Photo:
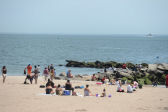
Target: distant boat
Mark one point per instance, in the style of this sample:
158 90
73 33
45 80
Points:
149 35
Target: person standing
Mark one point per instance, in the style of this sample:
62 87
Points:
24 72
46 74
36 72
29 71
38 67
167 81
4 73
29 68
52 72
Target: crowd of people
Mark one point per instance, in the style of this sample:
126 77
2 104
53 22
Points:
49 74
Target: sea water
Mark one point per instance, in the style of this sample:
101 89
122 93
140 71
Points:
17 51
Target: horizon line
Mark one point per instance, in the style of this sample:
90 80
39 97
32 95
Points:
75 34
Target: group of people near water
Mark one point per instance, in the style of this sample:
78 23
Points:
49 74
32 74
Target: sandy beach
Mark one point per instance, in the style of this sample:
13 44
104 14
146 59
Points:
18 97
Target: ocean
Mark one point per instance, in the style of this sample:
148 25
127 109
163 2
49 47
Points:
19 50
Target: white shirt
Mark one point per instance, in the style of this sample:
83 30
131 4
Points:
129 88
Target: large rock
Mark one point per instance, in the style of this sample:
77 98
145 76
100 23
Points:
162 67
71 63
157 68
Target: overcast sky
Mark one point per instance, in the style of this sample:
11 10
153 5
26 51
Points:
84 16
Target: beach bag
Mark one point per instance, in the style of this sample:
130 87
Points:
42 86
81 87
140 86
77 87
67 92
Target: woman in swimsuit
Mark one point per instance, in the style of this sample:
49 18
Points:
4 73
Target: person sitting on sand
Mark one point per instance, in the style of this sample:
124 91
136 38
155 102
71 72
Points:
133 87
49 89
87 91
135 84
124 66
103 80
104 93
69 74
119 88
155 83
50 82
68 86
129 89
58 90
93 77
112 82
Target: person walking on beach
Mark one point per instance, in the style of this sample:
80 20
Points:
36 72
29 76
4 73
29 68
167 81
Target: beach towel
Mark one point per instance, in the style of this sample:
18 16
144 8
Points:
44 94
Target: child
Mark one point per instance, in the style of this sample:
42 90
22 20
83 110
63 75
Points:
104 93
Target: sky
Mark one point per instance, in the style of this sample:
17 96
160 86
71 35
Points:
84 16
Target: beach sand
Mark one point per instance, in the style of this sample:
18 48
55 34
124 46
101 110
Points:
18 97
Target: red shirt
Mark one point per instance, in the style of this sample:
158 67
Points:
29 68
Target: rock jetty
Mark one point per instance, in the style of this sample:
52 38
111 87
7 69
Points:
143 73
